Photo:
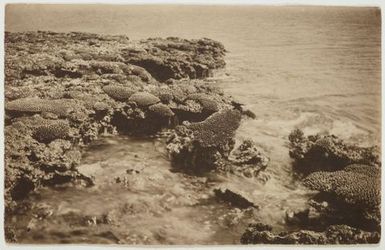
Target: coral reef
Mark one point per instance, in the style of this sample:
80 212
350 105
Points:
335 234
62 90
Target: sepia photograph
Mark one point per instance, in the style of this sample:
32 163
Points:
191 124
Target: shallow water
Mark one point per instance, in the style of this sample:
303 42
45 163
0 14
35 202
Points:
317 69
139 199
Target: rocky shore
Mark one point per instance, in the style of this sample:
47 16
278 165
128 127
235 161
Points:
65 90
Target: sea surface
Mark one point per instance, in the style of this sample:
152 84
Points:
313 68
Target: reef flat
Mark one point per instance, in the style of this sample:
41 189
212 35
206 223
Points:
63 91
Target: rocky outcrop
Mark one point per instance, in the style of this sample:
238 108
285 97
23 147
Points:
175 58
347 178
328 153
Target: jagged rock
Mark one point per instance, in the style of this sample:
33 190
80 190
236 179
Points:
58 155
314 153
335 234
247 153
234 198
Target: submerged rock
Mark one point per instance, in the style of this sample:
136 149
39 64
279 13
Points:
234 198
248 159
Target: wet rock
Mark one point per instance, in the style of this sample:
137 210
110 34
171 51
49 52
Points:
328 153
335 234
249 159
58 155
42 211
234 198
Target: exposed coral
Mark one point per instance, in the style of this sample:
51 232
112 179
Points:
120 93
51 131
335 234
328 153
199 146
161 110
87 81
216 130
357 185
248 154
144 99
60 107
208 105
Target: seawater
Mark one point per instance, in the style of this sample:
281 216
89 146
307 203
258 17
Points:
314 68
